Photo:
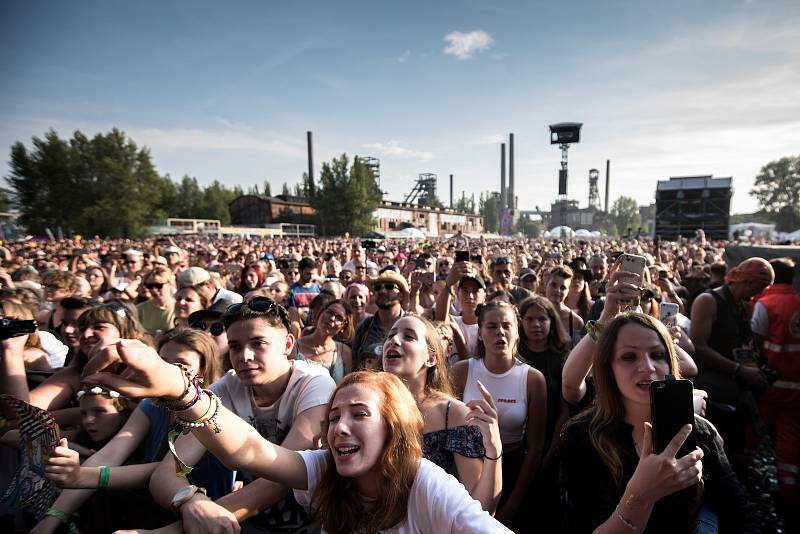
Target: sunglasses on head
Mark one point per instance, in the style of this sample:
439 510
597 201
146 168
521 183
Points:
258 305
388 286
216 328
501 261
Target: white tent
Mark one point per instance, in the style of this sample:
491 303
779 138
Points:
583 233
413 233
562 232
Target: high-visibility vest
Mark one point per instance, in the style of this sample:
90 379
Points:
782 343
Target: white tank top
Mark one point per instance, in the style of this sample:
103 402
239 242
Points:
510 392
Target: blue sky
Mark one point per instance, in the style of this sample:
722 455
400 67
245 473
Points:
227 90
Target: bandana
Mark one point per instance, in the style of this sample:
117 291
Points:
752 269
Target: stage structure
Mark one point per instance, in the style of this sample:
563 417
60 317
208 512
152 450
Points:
687 203
563 134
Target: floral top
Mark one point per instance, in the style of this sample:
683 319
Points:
438 446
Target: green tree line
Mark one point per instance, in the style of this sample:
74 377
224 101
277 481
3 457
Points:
105 185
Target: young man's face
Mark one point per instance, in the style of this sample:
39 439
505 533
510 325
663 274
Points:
307 275
258 351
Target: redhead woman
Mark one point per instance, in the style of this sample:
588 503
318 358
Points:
370 476
614 482
521 394
251 277
320 348
463 440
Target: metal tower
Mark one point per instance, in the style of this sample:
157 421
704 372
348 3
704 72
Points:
594 191
424 190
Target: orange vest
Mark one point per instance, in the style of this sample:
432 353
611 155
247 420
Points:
782 344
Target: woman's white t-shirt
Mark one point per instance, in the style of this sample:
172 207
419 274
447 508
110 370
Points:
438 503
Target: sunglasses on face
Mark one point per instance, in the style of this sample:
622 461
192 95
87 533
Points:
154 286
259 305
388 286
215 328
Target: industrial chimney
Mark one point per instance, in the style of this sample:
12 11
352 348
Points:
511 203
310 164
608 178
503 192
451 191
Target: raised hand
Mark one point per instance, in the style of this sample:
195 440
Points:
145 374
483 414
659 475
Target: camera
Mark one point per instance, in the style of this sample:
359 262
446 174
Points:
16 327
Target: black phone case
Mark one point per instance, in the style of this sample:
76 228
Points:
671 407
462 255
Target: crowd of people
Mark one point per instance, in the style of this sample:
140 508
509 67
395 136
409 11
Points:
293 385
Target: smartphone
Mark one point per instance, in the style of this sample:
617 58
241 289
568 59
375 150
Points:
671 407
462 255
667 313
633 264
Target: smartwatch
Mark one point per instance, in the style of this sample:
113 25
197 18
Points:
184 494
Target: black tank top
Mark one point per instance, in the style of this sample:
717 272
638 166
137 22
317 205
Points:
731 329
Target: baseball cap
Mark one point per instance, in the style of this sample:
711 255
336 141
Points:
193 276
472 278
525 273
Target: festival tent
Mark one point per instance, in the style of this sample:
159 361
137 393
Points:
562 232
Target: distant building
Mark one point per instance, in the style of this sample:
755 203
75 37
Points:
260 212
567 213
393 216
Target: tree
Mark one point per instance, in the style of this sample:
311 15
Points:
488 208
625 214
105 185
267 189
346 198
285 190
777 189
465 205
530 229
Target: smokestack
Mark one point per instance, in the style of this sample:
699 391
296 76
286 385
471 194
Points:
608 178
511 198
502 175
310 163
451 191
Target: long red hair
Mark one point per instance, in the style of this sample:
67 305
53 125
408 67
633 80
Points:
337 505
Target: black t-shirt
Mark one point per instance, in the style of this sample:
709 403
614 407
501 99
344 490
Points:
550 364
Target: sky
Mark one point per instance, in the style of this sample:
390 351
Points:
226 91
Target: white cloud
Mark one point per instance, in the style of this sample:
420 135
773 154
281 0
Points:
393 148
465 45
404 56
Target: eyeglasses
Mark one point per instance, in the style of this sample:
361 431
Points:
215 328
154 286
258 305
388 286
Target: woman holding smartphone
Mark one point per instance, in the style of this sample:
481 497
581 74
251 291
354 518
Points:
613 480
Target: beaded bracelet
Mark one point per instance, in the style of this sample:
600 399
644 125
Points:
204 420
183 427
189 404
105 475
189 382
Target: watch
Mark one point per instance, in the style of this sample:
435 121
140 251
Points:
184 494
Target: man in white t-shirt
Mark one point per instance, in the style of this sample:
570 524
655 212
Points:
284 400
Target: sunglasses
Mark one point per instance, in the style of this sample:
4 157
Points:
258 305
388 286
215 328
154 286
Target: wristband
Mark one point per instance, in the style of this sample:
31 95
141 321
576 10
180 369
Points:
493 459
105 474
594 329
58 514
